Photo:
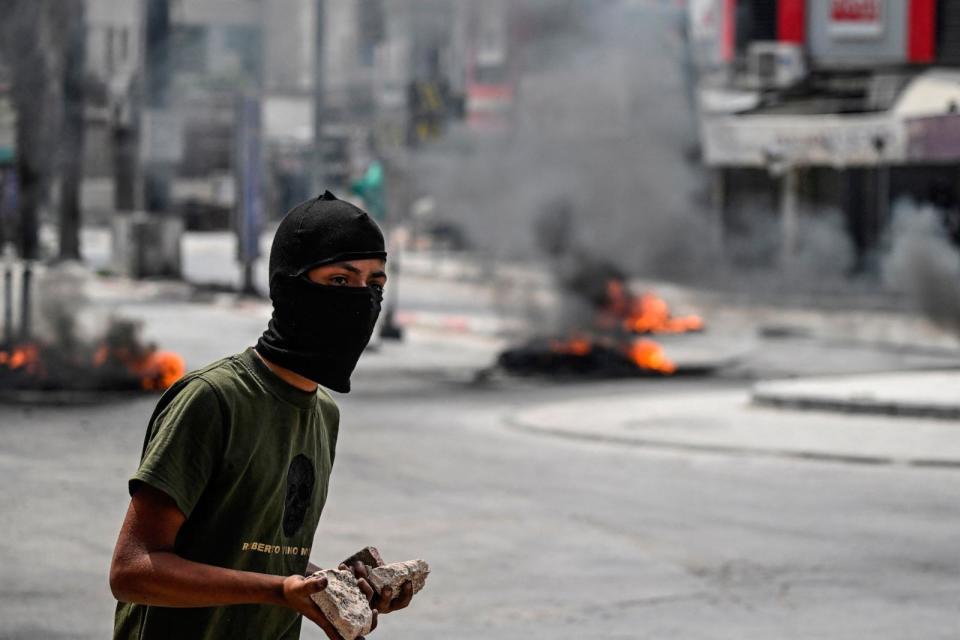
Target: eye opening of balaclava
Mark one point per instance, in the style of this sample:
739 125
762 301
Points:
319 331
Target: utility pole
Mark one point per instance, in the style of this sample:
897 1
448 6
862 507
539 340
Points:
248 169
317 176
126 158
248 166
157 172
789 214
881 216
126 121
71 162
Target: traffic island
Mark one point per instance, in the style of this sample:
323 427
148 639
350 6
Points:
730 422
917 394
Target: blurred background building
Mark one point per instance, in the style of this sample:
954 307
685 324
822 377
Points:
849 105
796 111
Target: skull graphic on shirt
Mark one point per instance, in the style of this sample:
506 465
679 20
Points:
300 482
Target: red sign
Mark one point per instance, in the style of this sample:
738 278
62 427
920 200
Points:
856 18
856 11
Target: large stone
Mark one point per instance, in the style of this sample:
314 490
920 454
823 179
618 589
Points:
395 574
368 556
343 604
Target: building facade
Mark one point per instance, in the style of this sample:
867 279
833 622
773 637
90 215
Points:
814 106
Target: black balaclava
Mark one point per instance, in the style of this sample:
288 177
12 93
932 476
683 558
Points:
319 331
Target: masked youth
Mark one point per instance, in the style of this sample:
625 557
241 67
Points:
237 457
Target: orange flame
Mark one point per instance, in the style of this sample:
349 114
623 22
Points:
161 369
26 357
619 320
157 370
650 314
647 313
647 354
644 353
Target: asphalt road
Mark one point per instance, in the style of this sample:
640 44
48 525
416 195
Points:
528 536
536 538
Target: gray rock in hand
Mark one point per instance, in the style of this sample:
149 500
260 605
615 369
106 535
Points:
395 574
344 604
347 608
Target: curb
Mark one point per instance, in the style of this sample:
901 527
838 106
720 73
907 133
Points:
852 406
733 450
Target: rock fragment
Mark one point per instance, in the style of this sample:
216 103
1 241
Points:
343 604
368 556
395 574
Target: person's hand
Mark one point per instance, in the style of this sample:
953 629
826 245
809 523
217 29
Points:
386 601
296 595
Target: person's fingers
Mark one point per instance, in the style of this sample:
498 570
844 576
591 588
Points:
376 615
366 589
360 570
315 585
343 567
383 600
406 595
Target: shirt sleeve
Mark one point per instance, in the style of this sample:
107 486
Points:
184 445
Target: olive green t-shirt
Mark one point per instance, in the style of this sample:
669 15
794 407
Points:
247 458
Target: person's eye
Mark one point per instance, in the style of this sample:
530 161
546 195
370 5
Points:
339 281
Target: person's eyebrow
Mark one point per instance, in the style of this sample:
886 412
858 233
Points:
346 266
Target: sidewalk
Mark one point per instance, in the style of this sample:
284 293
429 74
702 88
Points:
729 422
922 394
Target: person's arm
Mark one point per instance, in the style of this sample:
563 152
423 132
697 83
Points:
146 570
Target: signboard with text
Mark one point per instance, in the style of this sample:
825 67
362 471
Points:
815 140
856 19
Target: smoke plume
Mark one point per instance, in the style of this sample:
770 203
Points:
924 265
602 119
